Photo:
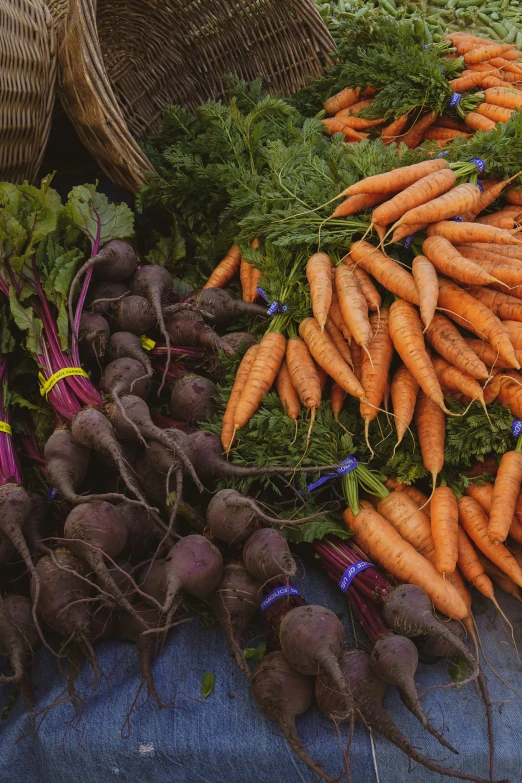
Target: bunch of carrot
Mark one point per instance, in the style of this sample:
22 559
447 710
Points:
487 65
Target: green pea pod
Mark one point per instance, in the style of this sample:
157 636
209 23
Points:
518 39
437 37
388 7
499 29
512 34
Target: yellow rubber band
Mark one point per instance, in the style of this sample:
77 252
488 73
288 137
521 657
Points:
147 343
5 427
66 372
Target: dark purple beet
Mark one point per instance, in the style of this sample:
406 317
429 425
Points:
93 336
101 293
193 398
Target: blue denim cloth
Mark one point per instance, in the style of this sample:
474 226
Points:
225 738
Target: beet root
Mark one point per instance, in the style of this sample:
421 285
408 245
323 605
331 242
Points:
267 557
133 414
283 694
133 314
235 602
18 634
438 647
93 336
187 328
233 517
95 530
312 640
368 693
115 262
101 296
238 339
92 430
408 611
155 284
125 376
221 309
395 659
192 398
125 345
193 565
146 644
140 530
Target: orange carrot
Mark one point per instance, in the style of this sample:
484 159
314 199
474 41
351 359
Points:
393 131
476 317
475 522
506 307
431 430
505 494
226 269
263 373
455 201
379 540
449 343
245 276
319 276
502 219
322 375
466 81
227 427
427 284
500 96
375 367
404 391
394 181
443 134
444 514
493 388
356 352
444 121
422 501
471 566
482 493
498 577
506 65
385 270
370 293
508 271
406 230
354 204
337 395
334 125
449 261
303 373
477 122
492 82
489 356
451 377
420 192
414 136
328 357
342 100
286 391
408 520
514 196
462 233
355 108
337 318
495 113
339 341
354 306
485 53
406 333
357 123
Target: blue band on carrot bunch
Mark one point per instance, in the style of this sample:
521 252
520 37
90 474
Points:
279 592
51 495
456 219
346 466
454 99
479 163
275 307
442 154
351 572
480 186
407 242
516 428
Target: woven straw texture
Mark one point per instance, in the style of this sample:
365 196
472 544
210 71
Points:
27 86
125 60
58 9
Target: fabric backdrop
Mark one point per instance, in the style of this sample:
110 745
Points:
225 739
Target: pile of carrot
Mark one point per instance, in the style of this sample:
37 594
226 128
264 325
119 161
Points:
488 65
468 278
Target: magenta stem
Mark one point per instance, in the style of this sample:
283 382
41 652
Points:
10 471
368 617
95 249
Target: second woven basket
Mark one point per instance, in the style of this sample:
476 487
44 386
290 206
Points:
123 61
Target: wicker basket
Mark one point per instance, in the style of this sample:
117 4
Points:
27 86
124 61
